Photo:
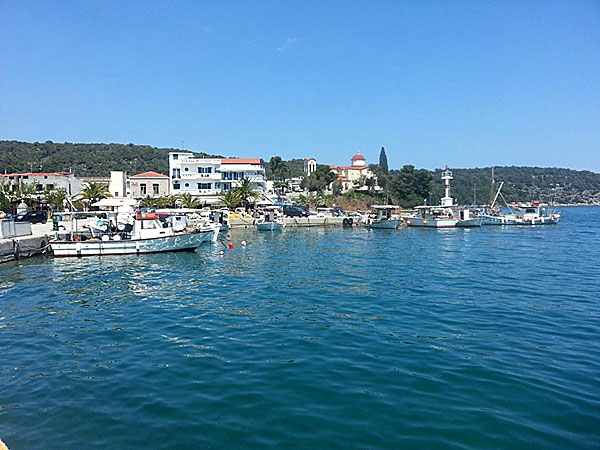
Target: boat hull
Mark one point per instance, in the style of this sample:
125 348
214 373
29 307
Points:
176 243
469 223
390 224
430 223
269 226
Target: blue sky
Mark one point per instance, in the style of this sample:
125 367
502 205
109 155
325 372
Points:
466 83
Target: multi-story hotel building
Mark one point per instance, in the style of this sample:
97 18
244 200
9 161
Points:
206 178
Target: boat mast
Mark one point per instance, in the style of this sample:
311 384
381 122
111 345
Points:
492 190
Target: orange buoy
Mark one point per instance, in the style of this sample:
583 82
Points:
231 245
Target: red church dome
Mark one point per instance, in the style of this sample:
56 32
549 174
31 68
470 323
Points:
358 157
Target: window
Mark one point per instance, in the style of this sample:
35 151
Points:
175 156
155 187
143 188
39 187
176 186
45 177
187 185
50 186
204 169
204 185
186 169
176 173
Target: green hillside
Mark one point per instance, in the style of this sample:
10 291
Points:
523 184
85 160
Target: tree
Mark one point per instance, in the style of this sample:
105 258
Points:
319 179
336 187
187 201
230 198
246 192
148 202
279 168
56 197
383 162
94 192
410 186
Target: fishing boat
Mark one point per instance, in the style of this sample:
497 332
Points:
269 220
432 217
383 218
149 233
535 214
467 220
520 214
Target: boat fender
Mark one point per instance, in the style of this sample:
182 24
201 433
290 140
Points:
243 243
230 245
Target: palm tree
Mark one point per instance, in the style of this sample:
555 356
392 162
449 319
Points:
55 197
187 201
246 192
166 201
230 198
148 202
94 192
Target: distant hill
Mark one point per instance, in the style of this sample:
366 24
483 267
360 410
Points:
85 160
523 184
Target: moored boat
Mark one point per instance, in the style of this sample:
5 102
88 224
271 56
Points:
535 214
383 218
270 220
150 233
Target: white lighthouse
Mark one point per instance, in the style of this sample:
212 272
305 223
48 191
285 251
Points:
447 200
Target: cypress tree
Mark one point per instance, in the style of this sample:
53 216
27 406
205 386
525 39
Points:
383 164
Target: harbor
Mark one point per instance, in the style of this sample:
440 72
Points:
293 327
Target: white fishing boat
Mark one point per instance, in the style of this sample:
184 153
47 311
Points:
467 220
270 220
383 218
149 233
535 214
432 217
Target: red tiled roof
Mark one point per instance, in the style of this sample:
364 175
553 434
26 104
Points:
240 161
358 156
349 167
149 174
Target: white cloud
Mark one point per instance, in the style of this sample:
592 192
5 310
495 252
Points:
289 44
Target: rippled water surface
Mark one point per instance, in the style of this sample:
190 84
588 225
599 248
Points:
349 339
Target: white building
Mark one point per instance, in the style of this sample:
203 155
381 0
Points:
206 178
351 176
45 181
310 166
119 185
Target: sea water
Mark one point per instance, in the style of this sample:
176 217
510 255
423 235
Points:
310 339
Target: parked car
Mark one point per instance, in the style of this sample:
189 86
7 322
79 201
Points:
31 216
295 211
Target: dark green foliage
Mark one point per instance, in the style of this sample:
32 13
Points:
383 162
278 169
85 160
408 186
295 168
319 179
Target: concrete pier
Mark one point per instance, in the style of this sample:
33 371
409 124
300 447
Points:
26 246
297 222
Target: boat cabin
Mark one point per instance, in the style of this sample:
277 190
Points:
383 212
